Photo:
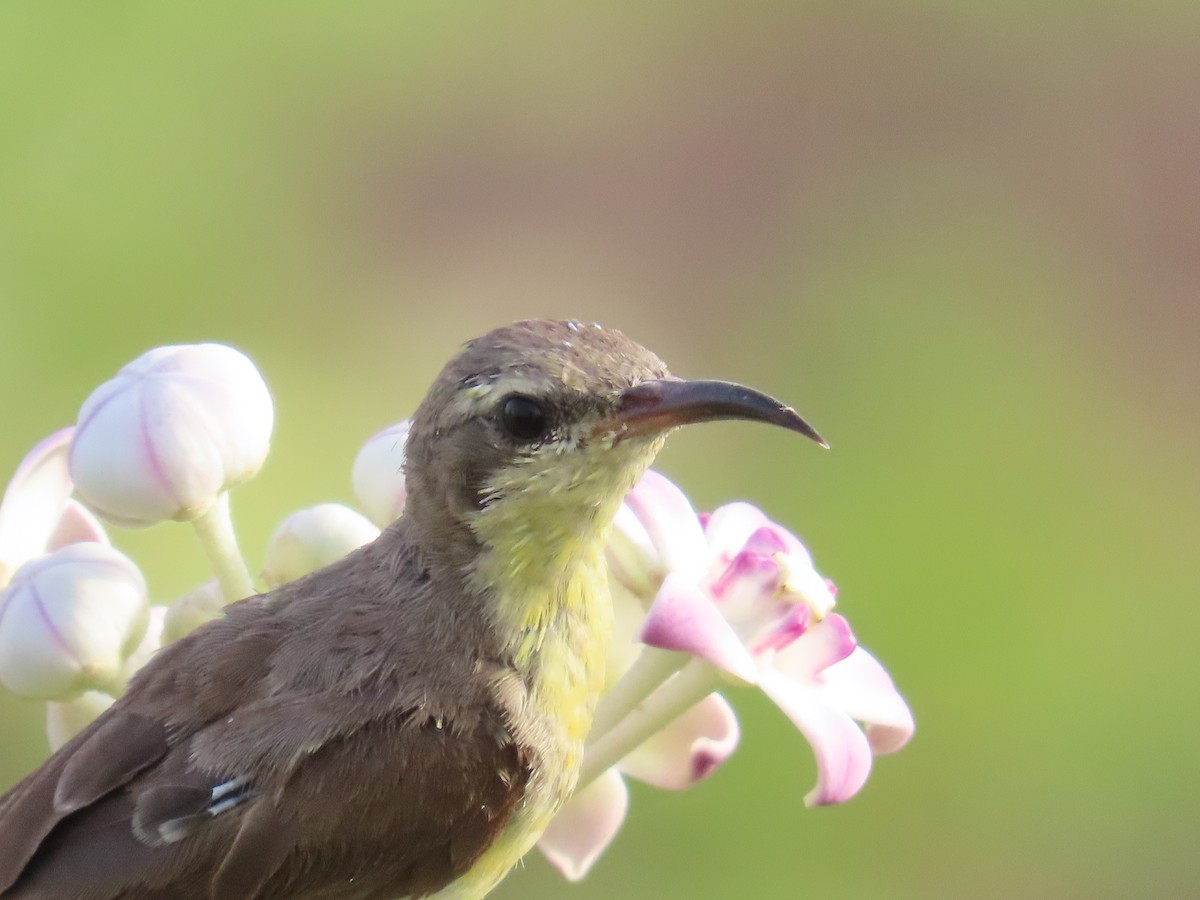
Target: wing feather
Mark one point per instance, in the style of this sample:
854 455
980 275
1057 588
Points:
336 753
120 747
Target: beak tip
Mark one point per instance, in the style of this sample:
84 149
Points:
797 423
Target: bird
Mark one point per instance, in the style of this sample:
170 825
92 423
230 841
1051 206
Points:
406 721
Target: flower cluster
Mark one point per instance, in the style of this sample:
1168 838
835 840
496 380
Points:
711 600
703 603
72 610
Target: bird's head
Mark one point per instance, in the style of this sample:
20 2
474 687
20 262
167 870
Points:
531 436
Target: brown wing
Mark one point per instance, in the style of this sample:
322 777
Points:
398 808
34 807
125 746
236 768
99 761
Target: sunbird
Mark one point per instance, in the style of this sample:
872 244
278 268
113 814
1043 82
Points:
406 721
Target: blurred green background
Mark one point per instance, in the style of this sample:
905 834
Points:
963 238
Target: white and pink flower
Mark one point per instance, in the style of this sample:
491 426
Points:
69 620
678 755
37 514
170 433
732 597
761 612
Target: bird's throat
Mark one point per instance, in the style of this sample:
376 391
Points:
541 566
541 570
553 616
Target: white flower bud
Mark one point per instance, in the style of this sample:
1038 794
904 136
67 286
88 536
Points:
312 538
192 610
378 475
66 719
150 644
172 431
34 501
68 622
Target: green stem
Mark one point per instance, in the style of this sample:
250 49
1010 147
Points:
693 683
215 530
651 669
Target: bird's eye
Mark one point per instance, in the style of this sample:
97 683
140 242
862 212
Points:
524 418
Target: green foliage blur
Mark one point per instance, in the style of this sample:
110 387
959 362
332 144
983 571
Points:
964 239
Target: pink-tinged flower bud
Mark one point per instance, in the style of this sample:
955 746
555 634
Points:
68 622
36 512
77 525
66 719
193 609
170 433
33 501
313 538
378 475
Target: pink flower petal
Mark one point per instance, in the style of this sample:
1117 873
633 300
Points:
767 540
841 749
730 526
795 547
750 578
586 825
859 686
34 499
671 524
77 526
684 619
783 632
823 644
688 749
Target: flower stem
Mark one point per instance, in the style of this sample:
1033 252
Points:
215 530
693 683
651 669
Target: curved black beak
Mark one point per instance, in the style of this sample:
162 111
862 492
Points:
654 406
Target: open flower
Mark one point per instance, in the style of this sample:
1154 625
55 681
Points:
69 621
739 595
167 436
37 513
761 612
